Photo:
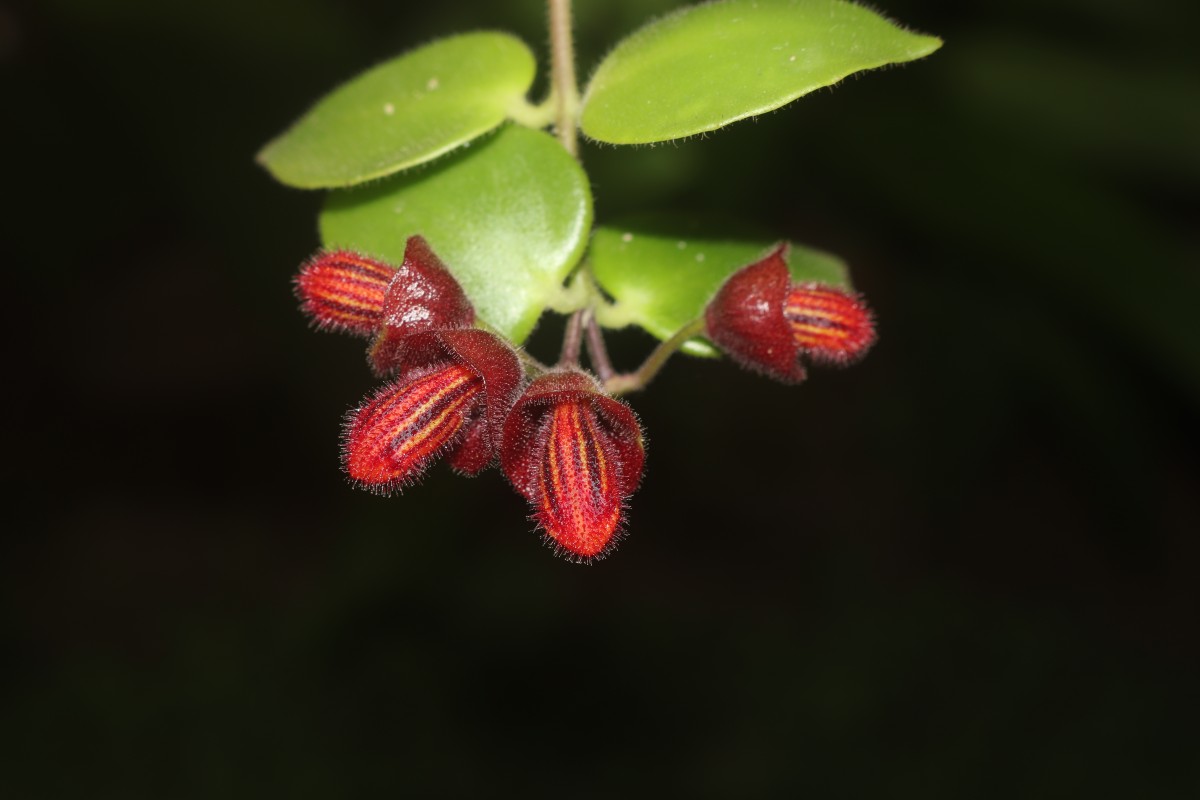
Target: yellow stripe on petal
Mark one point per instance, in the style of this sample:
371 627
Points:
392 438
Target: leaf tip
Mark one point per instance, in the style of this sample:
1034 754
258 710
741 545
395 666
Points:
265 156
268 159
926 45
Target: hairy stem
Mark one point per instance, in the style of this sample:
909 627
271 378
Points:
562 75
572 339
633 381
597 350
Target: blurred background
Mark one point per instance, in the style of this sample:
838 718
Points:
965 568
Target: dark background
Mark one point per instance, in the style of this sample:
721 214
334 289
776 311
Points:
964 568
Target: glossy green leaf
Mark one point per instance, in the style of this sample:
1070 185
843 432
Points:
404 112
661 274
709 65
509 215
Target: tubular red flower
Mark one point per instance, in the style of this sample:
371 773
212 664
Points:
344 291
450 398
767 323
576 455
829 325
391 439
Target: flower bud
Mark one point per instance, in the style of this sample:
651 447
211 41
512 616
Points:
451 395
344 291
576 455
391 438
766 323
829 325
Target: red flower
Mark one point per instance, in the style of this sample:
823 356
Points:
345 291
828 325
766 323
576 455
451 395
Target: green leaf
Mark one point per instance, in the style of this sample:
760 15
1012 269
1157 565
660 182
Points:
709 65
661 274
404 112
509 215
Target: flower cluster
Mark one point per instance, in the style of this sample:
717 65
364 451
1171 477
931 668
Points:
574 452
458 392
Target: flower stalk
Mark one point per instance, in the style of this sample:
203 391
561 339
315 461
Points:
639 378
597 350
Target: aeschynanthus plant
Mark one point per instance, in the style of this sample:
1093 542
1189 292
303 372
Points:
446 270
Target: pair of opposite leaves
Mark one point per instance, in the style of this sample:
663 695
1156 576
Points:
696 70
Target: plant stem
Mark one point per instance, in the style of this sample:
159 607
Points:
572 339
525 113
633 381
597 351
562 74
